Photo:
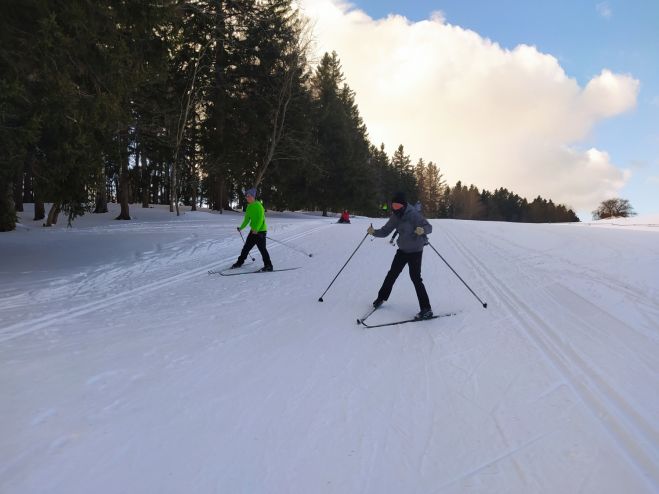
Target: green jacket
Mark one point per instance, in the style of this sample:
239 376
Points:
255 217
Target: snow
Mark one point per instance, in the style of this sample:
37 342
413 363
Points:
125 367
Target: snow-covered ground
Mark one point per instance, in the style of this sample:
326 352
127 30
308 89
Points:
125 367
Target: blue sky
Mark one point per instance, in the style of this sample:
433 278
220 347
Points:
585 37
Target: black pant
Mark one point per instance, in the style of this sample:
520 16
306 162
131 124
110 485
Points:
257 239
413 259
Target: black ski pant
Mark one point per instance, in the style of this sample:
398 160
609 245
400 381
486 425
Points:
413 260
257 239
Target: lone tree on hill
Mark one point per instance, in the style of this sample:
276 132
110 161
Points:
613 208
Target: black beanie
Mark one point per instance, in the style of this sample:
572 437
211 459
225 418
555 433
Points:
399 197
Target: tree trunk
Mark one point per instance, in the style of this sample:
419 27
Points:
165 186
18 190
53 214
175 188
193 164
39 209
136 187
7 209
146 186
101 201
28 194
214 197
172 187
101 194
195 187
155 184
221 196
124 183
39 206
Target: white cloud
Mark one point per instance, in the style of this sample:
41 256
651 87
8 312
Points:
486 115
604 9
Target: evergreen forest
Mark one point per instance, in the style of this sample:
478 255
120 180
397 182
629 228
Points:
188 103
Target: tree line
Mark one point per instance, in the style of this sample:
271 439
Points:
189 103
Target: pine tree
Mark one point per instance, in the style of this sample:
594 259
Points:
421 176
189 102
331 133
19 117
404 172
283 42
435 205
383 179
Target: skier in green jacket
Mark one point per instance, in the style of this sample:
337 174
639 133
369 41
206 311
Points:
255 217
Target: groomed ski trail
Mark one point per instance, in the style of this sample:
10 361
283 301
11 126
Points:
17 330
634 433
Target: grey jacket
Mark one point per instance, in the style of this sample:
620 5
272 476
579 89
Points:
407 241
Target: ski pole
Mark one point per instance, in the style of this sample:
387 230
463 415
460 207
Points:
337 274
290 247
484 304
241 236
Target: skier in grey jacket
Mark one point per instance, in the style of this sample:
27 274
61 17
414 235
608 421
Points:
412 237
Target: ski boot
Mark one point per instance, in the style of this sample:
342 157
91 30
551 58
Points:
423 314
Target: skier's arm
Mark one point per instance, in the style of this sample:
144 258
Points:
427 227
388 227
245 221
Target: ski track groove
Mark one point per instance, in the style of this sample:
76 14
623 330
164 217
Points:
620 326
23 328
508 453
618 418
578 270
550 287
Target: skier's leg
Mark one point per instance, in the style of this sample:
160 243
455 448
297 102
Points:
249 244
415 276
397 266
260 244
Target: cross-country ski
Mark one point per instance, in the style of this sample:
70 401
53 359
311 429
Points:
405 321
231 272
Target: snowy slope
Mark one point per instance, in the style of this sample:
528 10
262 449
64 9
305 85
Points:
125 367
